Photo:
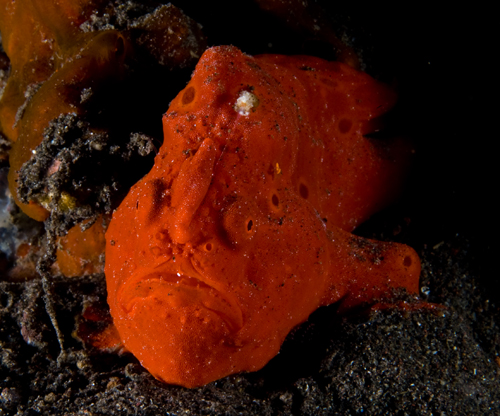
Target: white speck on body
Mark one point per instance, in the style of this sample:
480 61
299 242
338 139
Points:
246 102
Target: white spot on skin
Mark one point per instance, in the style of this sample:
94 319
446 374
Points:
246 102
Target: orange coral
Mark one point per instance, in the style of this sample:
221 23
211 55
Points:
80 252
62 65
52 61
242 228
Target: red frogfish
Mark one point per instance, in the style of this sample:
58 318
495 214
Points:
243 226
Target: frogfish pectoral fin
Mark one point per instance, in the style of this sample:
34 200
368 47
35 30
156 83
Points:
189 189
367 270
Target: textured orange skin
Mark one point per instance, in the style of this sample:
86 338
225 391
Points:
196 290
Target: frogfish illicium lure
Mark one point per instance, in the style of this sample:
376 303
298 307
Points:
243 226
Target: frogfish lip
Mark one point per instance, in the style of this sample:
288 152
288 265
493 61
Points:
175 292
